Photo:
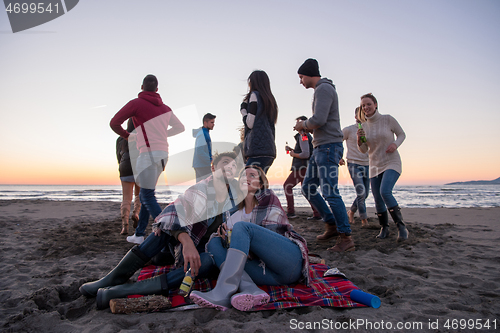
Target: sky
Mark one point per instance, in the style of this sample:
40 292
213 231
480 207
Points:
432 64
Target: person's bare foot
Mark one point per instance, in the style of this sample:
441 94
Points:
350 214
364 223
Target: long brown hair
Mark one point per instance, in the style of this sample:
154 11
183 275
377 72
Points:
259 81
264 183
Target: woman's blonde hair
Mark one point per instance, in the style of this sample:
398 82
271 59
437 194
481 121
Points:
360 114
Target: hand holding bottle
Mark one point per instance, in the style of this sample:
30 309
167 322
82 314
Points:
361 136
361 133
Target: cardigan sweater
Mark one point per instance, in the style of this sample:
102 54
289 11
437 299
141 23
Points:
380 130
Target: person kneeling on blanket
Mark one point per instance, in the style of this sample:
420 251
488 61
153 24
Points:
187 224
263 249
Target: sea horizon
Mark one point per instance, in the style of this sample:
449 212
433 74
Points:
410 196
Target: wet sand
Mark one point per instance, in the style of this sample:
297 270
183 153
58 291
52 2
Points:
448 270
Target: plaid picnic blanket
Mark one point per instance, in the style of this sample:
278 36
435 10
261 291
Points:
323 291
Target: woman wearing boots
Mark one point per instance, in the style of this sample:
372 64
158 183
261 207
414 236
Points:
385 162
263 249
214 200
129 187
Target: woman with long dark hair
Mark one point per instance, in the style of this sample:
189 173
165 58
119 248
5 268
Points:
260 113
385 162
263 249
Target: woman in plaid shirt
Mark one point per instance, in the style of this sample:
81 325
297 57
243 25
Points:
263 249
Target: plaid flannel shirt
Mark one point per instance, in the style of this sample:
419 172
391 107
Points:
193 211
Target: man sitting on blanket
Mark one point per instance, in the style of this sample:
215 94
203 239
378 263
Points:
189 221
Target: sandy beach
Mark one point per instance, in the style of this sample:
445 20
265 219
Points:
447 272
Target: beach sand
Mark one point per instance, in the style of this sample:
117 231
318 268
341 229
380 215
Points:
448 270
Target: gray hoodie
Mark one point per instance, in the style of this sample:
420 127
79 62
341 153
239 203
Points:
326 118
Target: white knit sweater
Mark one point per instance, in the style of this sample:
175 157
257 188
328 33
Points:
380 130
351 141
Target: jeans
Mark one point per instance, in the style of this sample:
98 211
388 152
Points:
264 162
322 171
382 186
295 177
361 182
153 244
148 177
276 259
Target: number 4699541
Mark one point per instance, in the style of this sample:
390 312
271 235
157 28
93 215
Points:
31 8
463 324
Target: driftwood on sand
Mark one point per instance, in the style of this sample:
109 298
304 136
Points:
152 303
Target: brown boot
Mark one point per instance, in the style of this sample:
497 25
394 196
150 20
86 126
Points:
344 244
137 209
330 232
125 212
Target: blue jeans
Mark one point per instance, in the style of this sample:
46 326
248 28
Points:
150 206
361 182
382 186
276 259
153 244
264 162
322 171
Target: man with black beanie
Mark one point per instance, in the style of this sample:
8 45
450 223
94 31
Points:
324 163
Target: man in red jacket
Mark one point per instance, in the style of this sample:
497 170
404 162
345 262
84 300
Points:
151 119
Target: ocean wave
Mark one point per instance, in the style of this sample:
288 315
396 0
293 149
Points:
407 196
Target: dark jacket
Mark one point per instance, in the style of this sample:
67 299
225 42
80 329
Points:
122 153
260 140
298 163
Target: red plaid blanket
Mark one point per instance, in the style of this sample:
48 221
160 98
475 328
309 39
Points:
323 291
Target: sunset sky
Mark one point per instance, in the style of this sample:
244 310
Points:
433 65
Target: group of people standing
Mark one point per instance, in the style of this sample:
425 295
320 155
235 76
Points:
237 228
372 158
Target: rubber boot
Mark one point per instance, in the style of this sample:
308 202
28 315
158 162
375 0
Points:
227 282
125 212
344 244
131 262
135 212
383 219
249 294
164 258
398 219
330 232
155 286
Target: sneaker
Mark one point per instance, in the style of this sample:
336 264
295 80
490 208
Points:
315 218
291 215
135 239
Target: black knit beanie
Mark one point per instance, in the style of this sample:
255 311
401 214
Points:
310 67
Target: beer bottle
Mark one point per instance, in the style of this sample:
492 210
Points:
187 284
363 138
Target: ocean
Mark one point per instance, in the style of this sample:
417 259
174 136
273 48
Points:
432 196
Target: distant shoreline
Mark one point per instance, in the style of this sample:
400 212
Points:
478 182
